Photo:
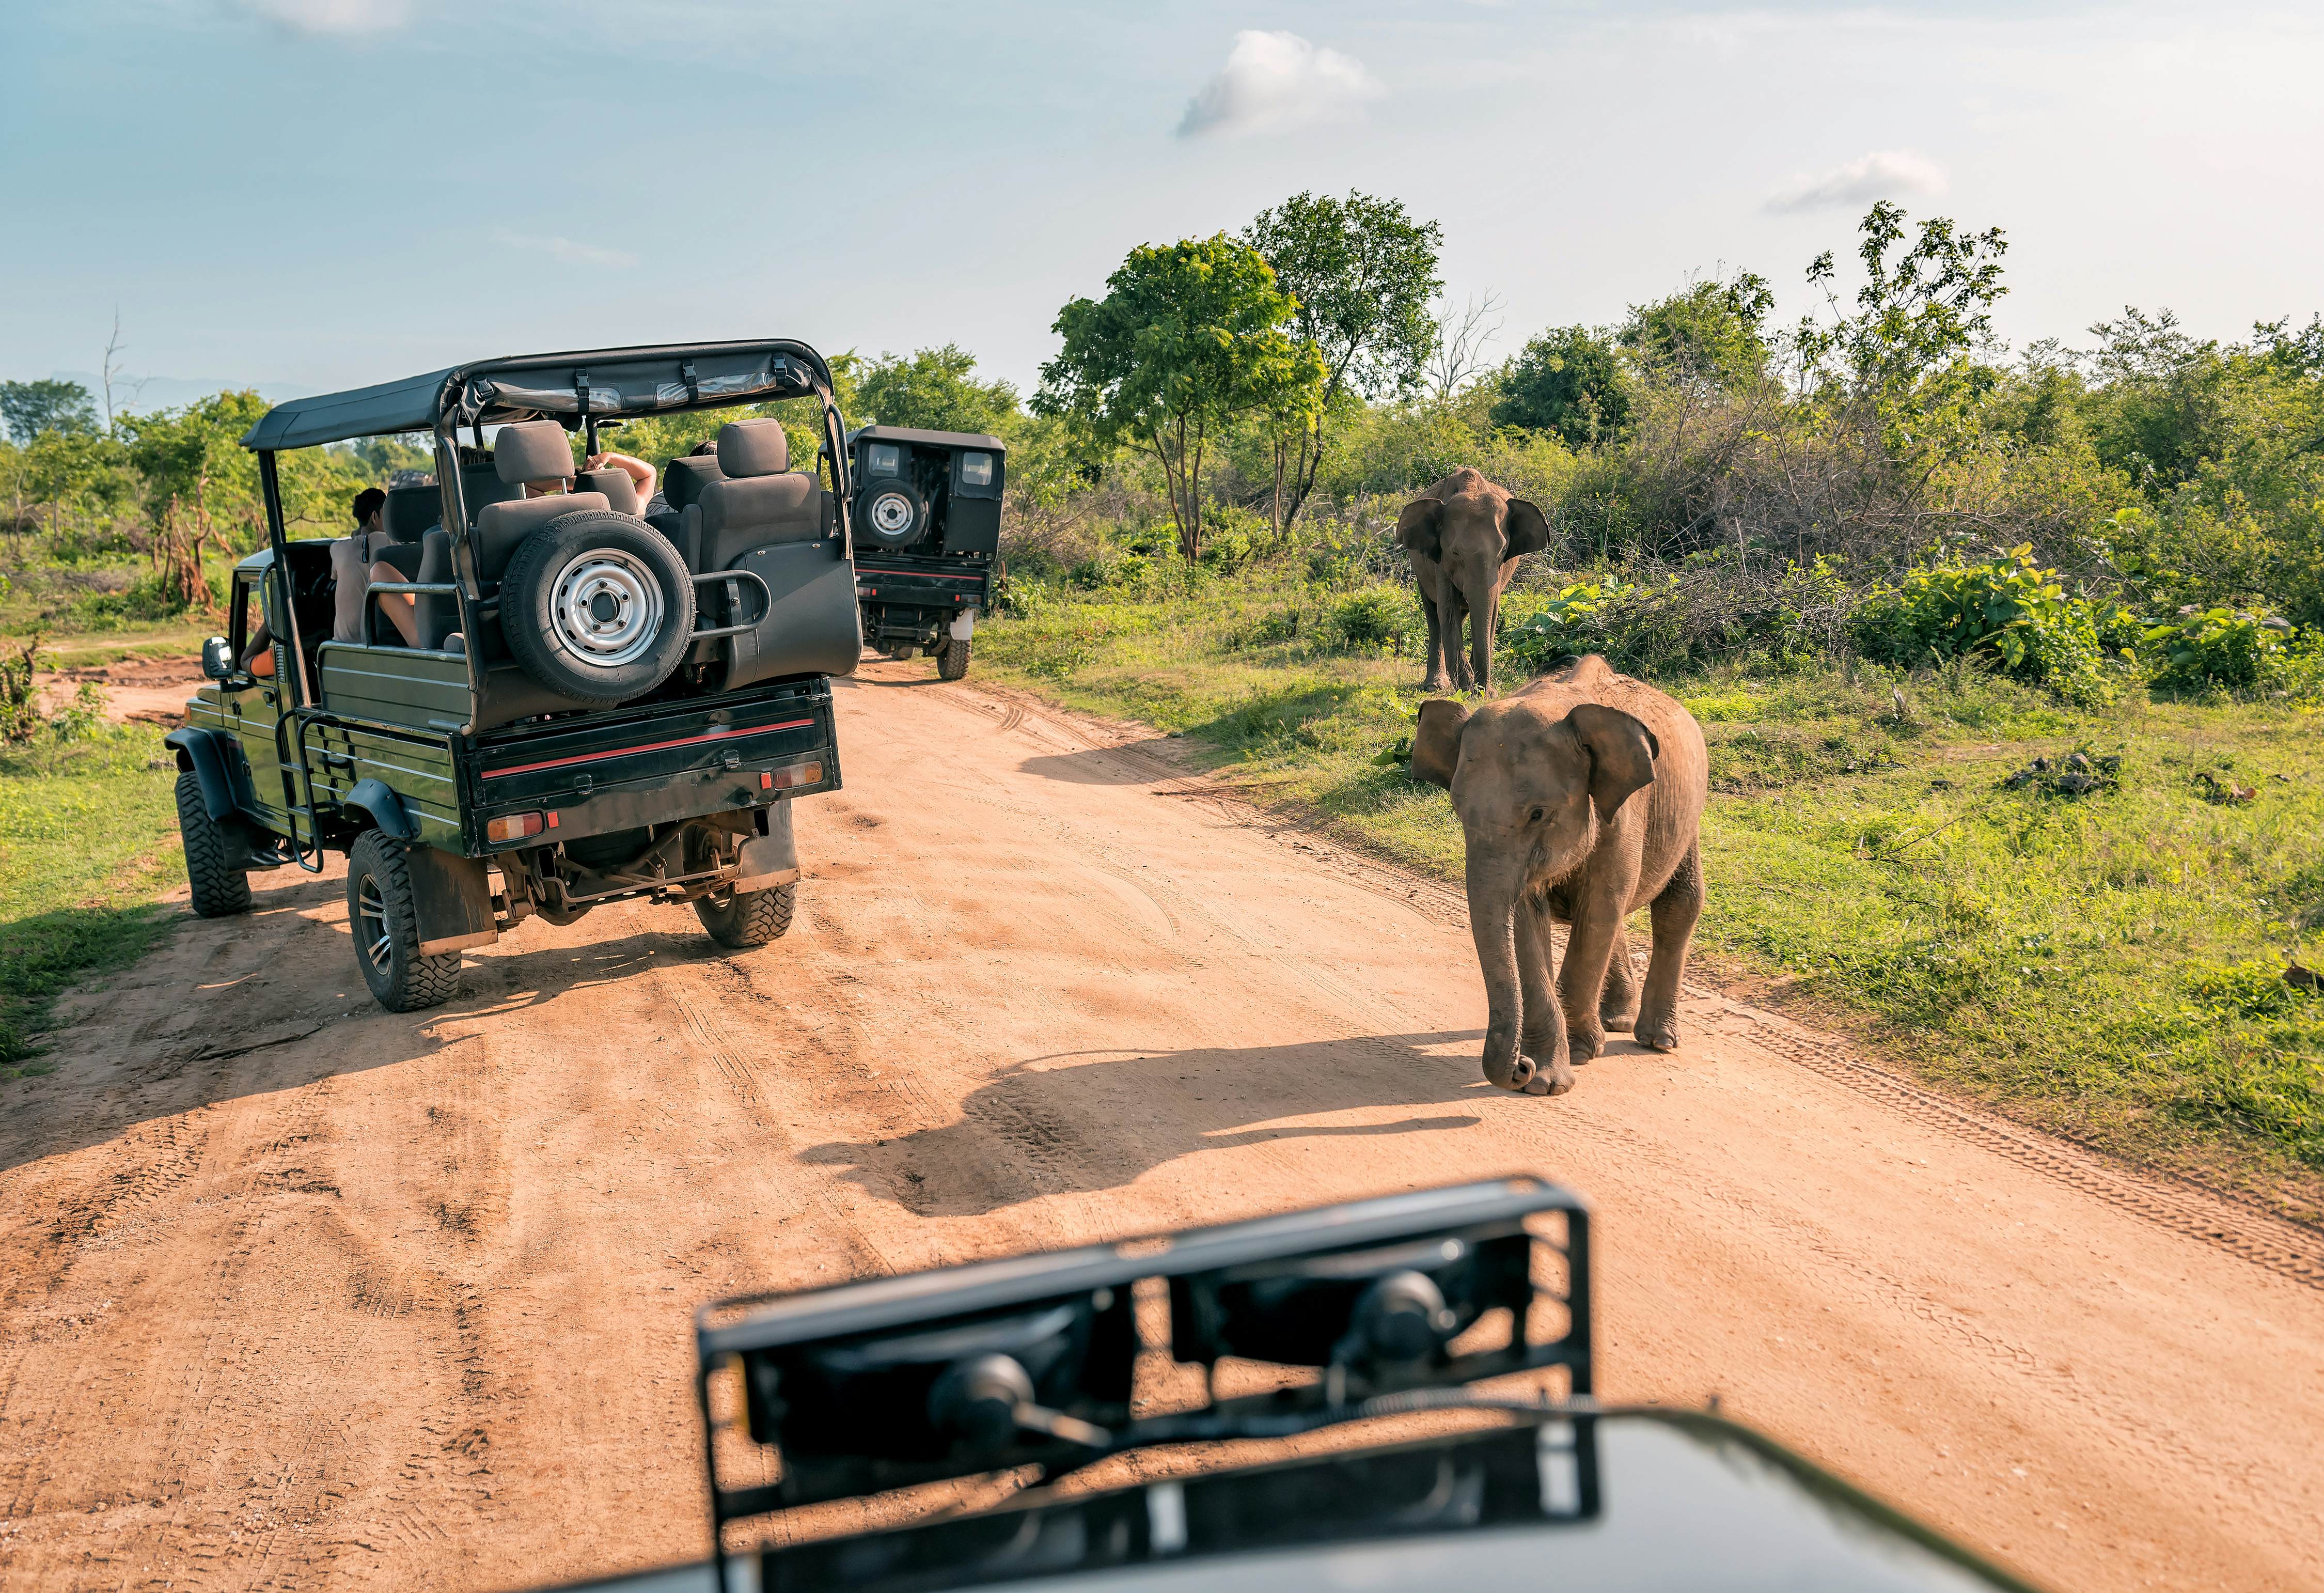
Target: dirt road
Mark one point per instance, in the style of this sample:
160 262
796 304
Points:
293 1293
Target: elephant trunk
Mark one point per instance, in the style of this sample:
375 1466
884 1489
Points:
1492 921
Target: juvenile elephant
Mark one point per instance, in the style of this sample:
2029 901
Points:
1580 799
1466 535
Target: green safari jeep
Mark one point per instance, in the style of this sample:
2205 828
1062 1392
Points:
581 699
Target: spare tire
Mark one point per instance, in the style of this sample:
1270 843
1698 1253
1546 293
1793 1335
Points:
597 605
892 515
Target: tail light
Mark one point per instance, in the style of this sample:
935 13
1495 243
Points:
514 827
796 774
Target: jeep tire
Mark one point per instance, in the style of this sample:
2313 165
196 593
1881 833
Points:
892 517
739 920
221 886
386 926
952 662
597 606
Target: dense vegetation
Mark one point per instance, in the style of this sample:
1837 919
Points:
1889 562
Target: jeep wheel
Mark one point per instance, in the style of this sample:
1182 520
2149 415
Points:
386 927
743 919
598 607
221 889
952 663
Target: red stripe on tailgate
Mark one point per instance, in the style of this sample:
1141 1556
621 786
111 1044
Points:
649 747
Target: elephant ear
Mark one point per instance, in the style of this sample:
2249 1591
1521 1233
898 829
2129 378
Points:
1528 529
1436 742
1420 527
1622 754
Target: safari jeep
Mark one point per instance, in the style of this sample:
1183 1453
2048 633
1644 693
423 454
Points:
927 510
575 705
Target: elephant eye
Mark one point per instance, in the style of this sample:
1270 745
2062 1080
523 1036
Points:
1535 815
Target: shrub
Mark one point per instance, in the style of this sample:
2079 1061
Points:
2200 649
1540 628
1379 619
2005 609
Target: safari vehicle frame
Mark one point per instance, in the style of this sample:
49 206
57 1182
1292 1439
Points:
469 796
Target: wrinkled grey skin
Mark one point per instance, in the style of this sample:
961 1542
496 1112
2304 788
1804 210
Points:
1580 799
1466 535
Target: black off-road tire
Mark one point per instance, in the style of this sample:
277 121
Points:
745 918
387 929
952 663
548 617
221 889
893 500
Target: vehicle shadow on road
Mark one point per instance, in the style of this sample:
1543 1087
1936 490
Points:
1083 1121
1138 762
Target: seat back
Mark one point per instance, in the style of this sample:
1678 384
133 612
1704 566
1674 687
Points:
438 617
618 489
501 526
481 485
757 504
410 511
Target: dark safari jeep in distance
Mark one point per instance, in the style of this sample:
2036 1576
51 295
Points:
927 512
575 705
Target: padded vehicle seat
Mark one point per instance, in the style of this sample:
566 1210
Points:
410 511
522 452
758 502
618 489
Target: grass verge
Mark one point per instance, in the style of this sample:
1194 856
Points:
87 837
2107 964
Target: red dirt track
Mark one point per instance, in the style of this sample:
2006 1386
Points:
294 1292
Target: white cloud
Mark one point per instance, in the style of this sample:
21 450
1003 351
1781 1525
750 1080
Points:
1273 80
1884 174
565 249
337 18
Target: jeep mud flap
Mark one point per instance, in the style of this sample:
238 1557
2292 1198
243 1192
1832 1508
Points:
452 899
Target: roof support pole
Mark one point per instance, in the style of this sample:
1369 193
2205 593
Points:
271 487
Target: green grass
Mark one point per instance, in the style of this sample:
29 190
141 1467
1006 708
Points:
87 841
2107 964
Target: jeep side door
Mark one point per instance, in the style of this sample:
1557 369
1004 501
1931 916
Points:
253 705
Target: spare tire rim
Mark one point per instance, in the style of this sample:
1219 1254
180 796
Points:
891 513
606 609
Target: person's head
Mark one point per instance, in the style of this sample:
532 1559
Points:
368 503
709 445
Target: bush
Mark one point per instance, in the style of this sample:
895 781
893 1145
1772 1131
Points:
1540 628
1381 619
2203 649
2005 609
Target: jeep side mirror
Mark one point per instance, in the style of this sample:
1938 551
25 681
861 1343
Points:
218 658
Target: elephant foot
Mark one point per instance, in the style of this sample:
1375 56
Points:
1584 1043
1554 1080
1437 684
1658 1032
1619 1023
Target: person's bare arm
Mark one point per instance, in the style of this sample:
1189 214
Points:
636 470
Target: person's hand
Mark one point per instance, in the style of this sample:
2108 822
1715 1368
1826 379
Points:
593 462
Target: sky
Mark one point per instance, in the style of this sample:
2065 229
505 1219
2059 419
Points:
307 194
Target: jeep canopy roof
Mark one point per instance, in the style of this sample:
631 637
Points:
601 383
931 438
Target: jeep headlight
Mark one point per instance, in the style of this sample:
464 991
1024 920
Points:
976 469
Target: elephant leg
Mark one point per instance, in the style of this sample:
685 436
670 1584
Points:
1673 913
1617 1008
1541 1035
1455 605
1588 943
1437 679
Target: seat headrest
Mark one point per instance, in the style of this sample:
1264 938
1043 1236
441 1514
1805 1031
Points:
755 447
618 489
532 450
682 480
410 511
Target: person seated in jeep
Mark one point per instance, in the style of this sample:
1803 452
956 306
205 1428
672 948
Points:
351 565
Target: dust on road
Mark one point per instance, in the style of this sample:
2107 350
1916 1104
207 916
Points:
296 1292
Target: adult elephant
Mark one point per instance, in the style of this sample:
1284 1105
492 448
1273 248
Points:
1580 798
1466 535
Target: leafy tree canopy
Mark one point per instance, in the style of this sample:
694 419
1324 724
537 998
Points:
27 409
1361 272
1570 382
935 389
1710 331
1189 337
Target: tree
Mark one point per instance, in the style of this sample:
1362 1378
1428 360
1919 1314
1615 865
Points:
1361 272
1189 337
1462 336
27 409
936 389
1568 381
1710 331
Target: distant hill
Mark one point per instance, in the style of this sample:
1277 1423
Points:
164 393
